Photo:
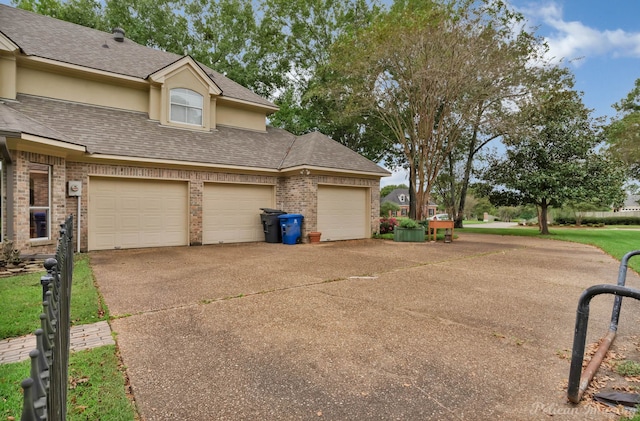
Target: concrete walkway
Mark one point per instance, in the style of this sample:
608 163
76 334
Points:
82 337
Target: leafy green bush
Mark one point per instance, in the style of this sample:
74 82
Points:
408 223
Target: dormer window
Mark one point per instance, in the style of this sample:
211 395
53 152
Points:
401 198
186 107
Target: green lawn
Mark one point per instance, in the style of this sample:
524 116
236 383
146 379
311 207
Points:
21 301
615 242
97 385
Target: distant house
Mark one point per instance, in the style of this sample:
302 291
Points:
401 198
631 204
152 149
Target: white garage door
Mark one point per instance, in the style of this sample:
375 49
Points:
342 213
132 213
231 212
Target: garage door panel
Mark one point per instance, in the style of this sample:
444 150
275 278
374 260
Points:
231 212
342 213
131 213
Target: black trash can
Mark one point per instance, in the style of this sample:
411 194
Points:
270 225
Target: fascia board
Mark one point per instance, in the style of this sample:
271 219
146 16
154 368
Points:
133 159
325 170
53 143
271 109
7 45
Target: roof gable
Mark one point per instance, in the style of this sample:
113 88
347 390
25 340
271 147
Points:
396 195
185 62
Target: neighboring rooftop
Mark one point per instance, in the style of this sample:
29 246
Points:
399 197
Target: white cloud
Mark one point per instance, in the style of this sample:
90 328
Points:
571 40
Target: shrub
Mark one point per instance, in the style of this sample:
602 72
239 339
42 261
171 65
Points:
610 220
408 223
387 224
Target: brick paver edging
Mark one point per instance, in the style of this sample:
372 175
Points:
82 337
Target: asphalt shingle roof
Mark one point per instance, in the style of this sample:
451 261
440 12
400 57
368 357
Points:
123 133
74 44
394 196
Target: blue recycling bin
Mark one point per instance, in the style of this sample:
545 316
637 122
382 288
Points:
291 227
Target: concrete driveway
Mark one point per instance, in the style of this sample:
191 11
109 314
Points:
479 329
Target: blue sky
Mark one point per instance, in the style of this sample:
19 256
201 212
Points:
599 40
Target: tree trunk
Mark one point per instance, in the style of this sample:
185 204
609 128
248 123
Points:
542 217
451 205
412 191
469 164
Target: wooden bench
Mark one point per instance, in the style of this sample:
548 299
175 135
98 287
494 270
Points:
434 225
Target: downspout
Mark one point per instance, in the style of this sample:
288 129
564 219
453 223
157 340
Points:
8 163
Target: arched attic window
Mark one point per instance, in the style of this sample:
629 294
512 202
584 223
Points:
186 106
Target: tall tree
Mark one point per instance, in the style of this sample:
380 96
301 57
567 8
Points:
623 134
417 68
310 28
503 80
553 158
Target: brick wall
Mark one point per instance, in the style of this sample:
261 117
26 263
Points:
22 216
196 179
294 194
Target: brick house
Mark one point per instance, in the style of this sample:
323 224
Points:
401 198
154 149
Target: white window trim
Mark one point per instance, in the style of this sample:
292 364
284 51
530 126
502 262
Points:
201 108
47 209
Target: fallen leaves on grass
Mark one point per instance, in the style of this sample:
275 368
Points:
74 382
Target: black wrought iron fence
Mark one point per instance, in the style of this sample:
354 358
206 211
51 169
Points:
45 391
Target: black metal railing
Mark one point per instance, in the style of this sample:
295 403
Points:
579 380
45 391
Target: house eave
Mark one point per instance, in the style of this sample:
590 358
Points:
302 169
31 143
130 160
254 105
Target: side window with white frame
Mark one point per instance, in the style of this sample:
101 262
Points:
186 106
39 200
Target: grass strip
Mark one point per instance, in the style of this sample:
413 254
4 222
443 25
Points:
615 242
21 301
97 387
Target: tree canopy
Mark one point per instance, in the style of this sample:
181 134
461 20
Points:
422 69
552 157
623 134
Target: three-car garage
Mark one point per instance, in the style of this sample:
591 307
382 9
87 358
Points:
135 212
